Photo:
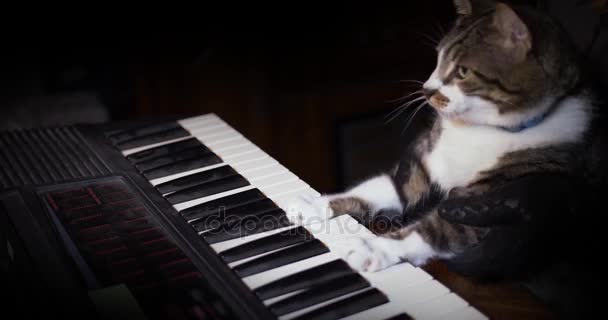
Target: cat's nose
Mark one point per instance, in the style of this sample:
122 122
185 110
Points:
428 93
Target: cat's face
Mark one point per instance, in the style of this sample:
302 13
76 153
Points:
485 73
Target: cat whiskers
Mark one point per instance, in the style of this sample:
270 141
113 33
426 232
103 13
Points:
412 81
439 30
399 110
411 117
429 40
407 96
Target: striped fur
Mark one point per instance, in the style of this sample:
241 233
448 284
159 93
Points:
497 68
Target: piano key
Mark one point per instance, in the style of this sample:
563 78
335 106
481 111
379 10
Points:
468 313
243 163
273 242
213 207
229 151
435 308
325 272
320 293
164 150
181 166
211 129
210 188
345 307
192 153
232 243
196 179
173 133
128 152
130 134
233 215
200 119
405 296
270 189
233 138
254 162
280 258
205 128
247 226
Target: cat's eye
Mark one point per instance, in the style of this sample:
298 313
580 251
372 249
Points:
462 72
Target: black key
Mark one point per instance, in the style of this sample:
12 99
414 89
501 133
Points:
273 242
401 316
248 226
235 215
305 279
196 179
346 307
157 137
280 258
129 134
207 189
172 158
324 292
225 203
183 166
164 150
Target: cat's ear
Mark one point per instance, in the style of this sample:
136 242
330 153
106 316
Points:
470 7
515 35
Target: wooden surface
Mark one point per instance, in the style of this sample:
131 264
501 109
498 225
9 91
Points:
495 300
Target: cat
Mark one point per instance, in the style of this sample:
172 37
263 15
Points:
513 116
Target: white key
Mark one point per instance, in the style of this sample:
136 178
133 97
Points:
242 159
217 138
468 313
280 189
232 151
277 171
255 164
402 296
209 129
442 306
285 199
209 117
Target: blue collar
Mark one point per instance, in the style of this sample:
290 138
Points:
532 122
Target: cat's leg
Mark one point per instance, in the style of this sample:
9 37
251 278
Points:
429 238
381 192
365 199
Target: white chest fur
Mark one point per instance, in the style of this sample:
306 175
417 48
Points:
461 152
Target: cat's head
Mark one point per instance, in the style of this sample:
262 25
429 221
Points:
499 65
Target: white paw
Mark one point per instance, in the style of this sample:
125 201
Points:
308 210
371 255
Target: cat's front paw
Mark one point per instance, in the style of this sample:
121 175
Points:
371 255
308 210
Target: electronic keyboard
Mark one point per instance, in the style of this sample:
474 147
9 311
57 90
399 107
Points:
184 219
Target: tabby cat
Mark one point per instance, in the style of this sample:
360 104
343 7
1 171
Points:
509 142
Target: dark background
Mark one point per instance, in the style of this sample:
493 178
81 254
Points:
310 84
